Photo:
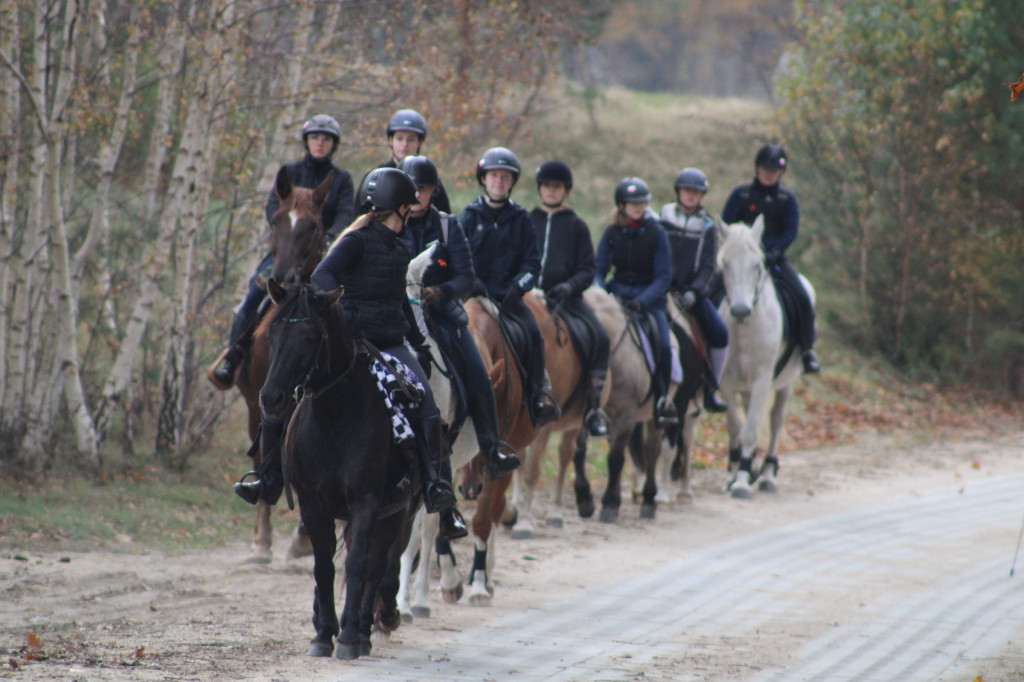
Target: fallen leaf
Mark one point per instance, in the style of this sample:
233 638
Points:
34 642
1016 88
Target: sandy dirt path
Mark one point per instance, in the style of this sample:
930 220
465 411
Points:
883 560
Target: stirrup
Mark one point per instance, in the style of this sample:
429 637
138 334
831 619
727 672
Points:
665 413
249 491
810 360
453 526
712 403
497 463
545 411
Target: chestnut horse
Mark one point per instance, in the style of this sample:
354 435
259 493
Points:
514 424
569 381
297 241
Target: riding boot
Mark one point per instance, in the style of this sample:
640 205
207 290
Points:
269 483
223 377
543 406
712 401
810 359
438 494
665 413
596 420
499 458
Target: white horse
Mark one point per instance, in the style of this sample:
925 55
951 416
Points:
425 527
757 344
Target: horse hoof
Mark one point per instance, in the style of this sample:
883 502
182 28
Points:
364 647
555 523
388 623
741 493
647 511
347 652
586 509
319 649
259 555
301 546
522 534
768 486
420 612
609 515
480 599
407 618
452 596
510 517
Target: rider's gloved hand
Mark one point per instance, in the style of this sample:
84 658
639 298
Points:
423 357
688 300
511 295
634 305
560 291
432 294
772 257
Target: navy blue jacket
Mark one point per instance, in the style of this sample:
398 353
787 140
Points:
504 246
781 214
456 277
642 262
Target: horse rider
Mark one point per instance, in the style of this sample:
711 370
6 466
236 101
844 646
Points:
320 136
370 260
636 247
507 262
692 236
764 196
406 131
443 288
566 270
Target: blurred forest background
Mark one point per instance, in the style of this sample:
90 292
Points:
138 142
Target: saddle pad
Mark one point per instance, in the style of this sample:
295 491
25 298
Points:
400 427
651 357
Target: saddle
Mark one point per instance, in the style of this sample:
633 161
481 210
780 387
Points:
518 340
792 318
584 340
643 331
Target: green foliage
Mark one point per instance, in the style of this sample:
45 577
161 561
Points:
902 111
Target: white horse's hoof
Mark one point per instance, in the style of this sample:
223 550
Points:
741 493
767 485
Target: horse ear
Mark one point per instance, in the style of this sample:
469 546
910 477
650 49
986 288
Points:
722 229
283 184
277 292
757 229
322 190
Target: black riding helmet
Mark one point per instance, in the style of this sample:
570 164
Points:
554 171
632 191
322 123
498 158
421 169
408 119
771 156
386 189
692 178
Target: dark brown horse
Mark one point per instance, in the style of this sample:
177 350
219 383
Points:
297 241
341 459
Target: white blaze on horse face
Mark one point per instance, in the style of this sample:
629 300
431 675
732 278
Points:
293 215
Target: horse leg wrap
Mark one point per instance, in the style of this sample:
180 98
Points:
479 563
771 463
735 456
747 464
443 547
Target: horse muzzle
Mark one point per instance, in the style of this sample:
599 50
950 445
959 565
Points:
276 405
741 311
